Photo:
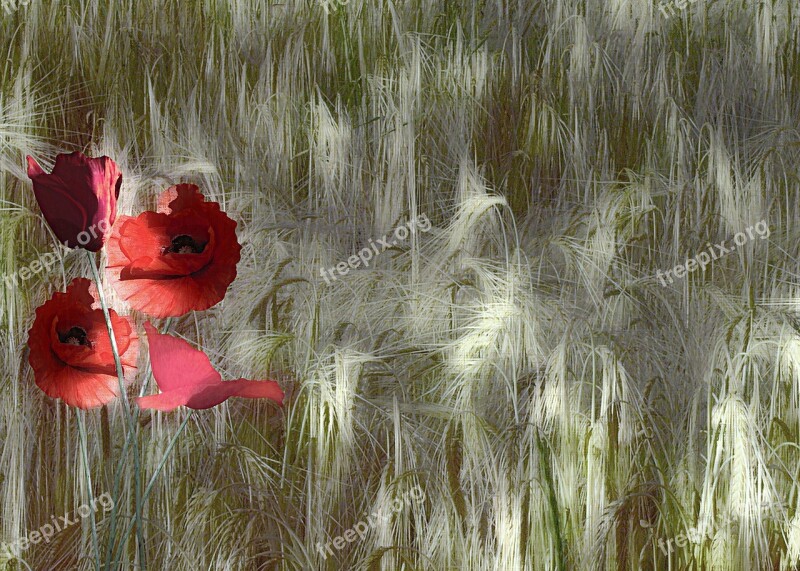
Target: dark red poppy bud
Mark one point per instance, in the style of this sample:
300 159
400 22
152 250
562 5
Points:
79 198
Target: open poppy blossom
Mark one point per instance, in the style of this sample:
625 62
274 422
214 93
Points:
70 351
186 378
79 198
179 259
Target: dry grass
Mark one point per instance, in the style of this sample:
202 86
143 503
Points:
520 362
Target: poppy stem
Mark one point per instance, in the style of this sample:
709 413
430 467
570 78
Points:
153 479
110 549
89 490
131 428
105 433
116 492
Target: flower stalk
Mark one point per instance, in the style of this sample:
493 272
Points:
131 428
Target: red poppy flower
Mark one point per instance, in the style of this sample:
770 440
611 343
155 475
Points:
179 259
186 378
70 351
79 198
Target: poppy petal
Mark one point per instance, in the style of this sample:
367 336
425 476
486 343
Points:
177 260
186 377
166 401
256 390
176 364
70 352
78 388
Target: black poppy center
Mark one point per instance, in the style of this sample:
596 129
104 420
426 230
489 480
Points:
184 244
75 336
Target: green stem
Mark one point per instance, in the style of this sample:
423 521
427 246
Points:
89 491
131 434
551 500
153 479
120 465
117 486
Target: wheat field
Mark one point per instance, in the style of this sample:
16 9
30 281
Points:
519 385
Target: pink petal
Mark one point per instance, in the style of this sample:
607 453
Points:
33 167
186 378
257 390
165 401
176 364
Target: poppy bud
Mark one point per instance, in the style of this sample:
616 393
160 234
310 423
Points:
79 198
